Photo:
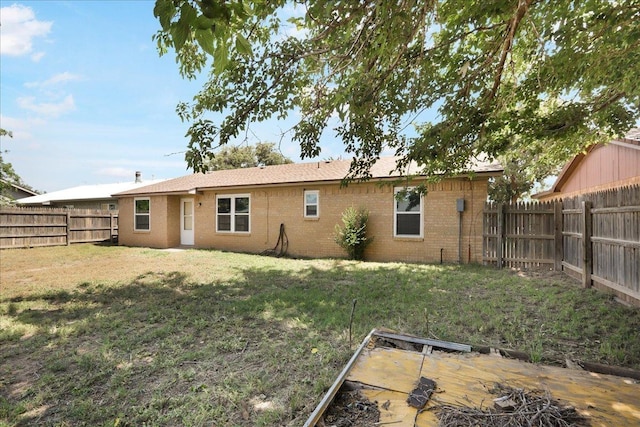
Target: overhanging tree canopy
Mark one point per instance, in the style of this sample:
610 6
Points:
545 78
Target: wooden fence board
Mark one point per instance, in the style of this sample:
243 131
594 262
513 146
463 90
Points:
522 235
22 227
593 237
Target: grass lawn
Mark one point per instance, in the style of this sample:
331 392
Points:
115 336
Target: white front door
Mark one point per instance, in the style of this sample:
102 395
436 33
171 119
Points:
186 222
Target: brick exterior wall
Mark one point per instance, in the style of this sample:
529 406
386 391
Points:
273 206
164 227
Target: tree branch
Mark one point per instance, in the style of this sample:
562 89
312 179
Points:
523 6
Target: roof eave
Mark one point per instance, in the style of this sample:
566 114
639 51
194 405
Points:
159 193
200 189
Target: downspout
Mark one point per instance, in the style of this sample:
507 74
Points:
460 209
459 237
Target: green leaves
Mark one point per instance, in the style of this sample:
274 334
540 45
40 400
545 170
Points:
164 10
220 57
243 47
502 76
263 153
352 237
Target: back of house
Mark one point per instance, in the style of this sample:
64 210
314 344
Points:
245 210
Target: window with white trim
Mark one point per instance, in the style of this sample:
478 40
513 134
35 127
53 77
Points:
233 213
142 214
311 204
408 209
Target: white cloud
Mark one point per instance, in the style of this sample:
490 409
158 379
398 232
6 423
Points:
46 108
36 57
18 28
55 80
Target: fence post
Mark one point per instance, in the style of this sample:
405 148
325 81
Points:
111 227
68 228
558 221
587 253
500 237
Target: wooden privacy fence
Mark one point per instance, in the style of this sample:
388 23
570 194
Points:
594 237
22 227
522 235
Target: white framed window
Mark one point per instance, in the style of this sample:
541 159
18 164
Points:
311 204
233 213
142 214
407 213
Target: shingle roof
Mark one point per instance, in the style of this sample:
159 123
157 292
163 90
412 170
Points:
294 173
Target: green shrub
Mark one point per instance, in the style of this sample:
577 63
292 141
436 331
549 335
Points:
353 236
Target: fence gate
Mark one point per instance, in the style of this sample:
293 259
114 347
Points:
523 235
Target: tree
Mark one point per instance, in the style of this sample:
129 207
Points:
546 77
8 175
511 185
247 156
521 172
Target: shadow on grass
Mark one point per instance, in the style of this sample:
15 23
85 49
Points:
261 349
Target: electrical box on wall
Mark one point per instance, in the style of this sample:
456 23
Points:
460 205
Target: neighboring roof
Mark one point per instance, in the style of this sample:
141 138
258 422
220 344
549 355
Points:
630 140
84 192
18 187
293 173
632 136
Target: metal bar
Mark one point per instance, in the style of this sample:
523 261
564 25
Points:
424 341
326 401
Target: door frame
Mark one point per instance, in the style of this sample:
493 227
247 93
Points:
187 237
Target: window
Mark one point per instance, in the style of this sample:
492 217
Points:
232 214
311 204
407 213
142 215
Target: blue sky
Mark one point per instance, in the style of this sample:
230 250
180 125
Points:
89 100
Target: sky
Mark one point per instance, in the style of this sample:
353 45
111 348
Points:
89 100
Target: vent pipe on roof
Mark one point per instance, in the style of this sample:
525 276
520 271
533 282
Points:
138 176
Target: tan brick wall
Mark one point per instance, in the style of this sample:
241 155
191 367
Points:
314 237
164 227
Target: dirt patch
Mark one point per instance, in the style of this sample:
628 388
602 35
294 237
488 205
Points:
351 409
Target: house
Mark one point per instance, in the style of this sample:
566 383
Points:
243 209
11 192
85 196
601 167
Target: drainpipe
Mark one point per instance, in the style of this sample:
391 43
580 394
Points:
460 209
